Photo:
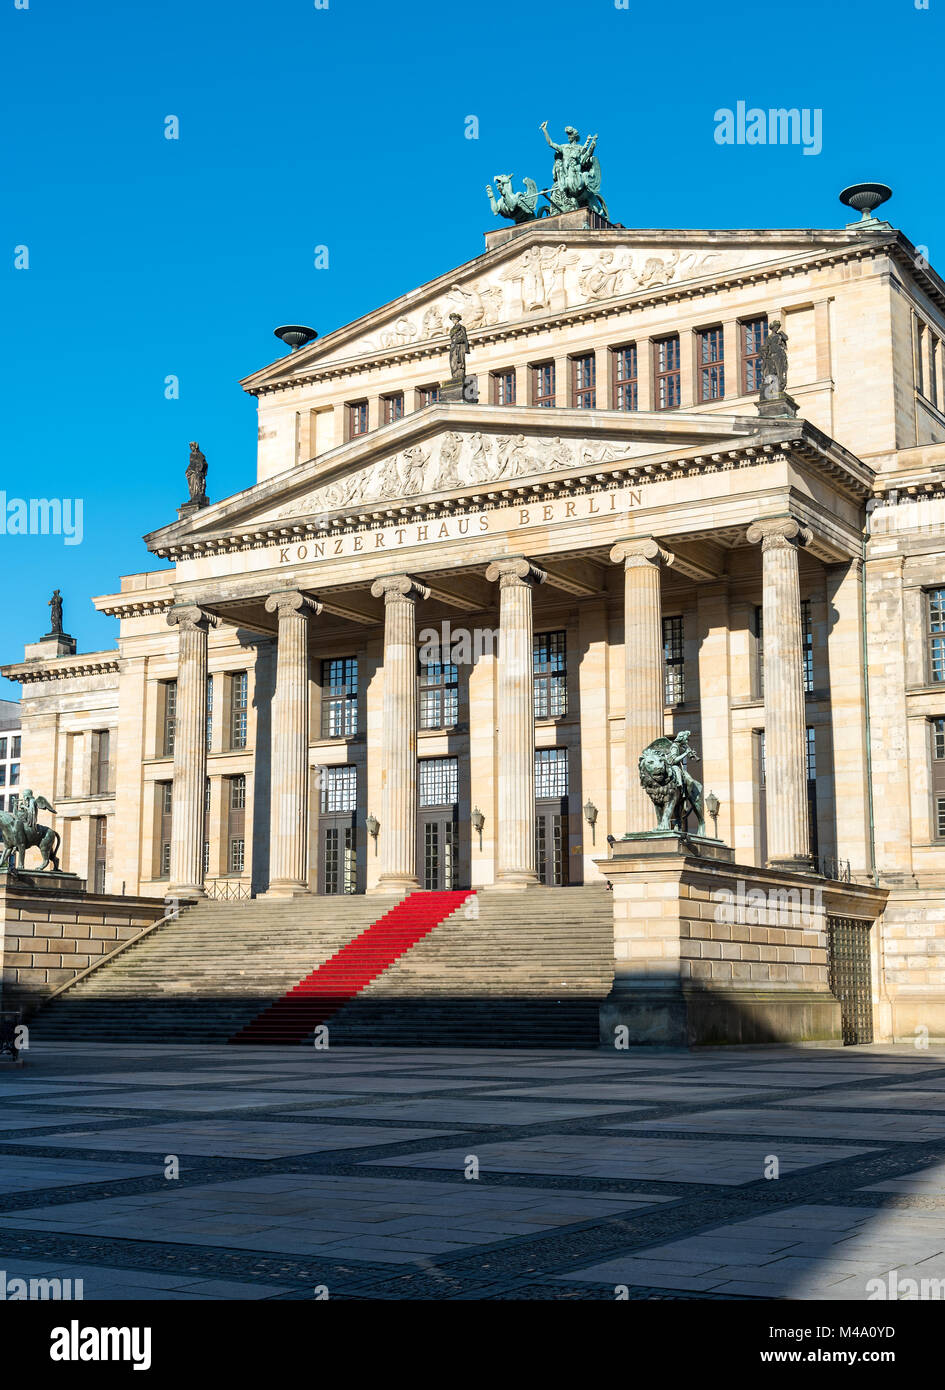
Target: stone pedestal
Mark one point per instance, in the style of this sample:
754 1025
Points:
707 951
399 745
466 390
516 722
47 648
783 407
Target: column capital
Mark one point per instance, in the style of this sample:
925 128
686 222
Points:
778 532
190 617
290 602
394 588
514 571
645 551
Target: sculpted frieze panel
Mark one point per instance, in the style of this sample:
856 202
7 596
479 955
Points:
452 461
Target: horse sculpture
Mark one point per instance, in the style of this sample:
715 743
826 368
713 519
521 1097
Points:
19 836
669 786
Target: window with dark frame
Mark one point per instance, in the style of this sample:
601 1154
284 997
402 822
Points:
3 749
339 696
15 745
667 374
393 408
102 769
711 364
209 725
551 773
543 384
357 419
807 647
674 670
936 634
550 666
754 335
236 824
439 695
169 717
503 388
584 381
340 790
758 632
937 732
239 708
429 395
626 378
437 781
812 789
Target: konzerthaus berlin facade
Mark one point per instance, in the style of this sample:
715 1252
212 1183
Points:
617 544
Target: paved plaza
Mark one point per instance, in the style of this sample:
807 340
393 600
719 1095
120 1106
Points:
787 1173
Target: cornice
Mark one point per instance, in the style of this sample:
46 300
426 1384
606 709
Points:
29 672
117 606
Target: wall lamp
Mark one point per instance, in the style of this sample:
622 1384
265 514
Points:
373 825
478 821
590 815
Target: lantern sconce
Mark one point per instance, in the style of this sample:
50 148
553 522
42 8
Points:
373 825
590 815
712 805
478 821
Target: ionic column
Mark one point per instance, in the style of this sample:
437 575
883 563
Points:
288 804
190 751
785 723
643 665
516 721
399 724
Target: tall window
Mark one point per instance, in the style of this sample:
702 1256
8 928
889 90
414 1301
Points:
933 368
239 708
807 640
543 384
357 419
101 769
392 408
667 373
503 388
437 781
100 845
584 381
754 333
3 749
15 746
439 695
164 792
236 824
938 778
674 671
340 790
209 709
3 775
14 774
339 697
626 379
170 717
429 395
936 634
551 773
550 664
711 365
758 632
812 788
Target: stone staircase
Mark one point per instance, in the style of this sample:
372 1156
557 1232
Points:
505 969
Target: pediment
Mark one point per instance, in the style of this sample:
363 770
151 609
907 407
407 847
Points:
541 273
455 449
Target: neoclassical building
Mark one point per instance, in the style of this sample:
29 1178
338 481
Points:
426 646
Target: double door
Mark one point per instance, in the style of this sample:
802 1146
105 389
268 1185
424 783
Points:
551 842
438 848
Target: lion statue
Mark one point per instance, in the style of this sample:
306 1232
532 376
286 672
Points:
669 786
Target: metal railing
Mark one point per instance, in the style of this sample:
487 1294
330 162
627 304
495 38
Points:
222 891
837 869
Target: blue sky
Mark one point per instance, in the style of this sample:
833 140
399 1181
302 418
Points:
345 127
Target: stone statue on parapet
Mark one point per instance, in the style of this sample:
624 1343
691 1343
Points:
664 778
518 207
459 347
197 474
576 174
55 614
21 831
773 399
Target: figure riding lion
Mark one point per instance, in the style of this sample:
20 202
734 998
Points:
669 786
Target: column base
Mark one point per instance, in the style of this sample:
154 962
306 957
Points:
287 888
185 892
794 864
396 883
515 881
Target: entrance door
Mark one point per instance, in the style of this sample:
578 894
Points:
438 850
551 843
850 976
338 868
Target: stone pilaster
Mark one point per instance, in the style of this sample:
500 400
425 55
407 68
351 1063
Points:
785 723
643 665
517 578
288 803
190 751
399 733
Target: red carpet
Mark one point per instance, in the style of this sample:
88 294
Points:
322 993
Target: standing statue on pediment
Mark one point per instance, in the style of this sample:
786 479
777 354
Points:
197 475
459 347
773 365
576 175
411 481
